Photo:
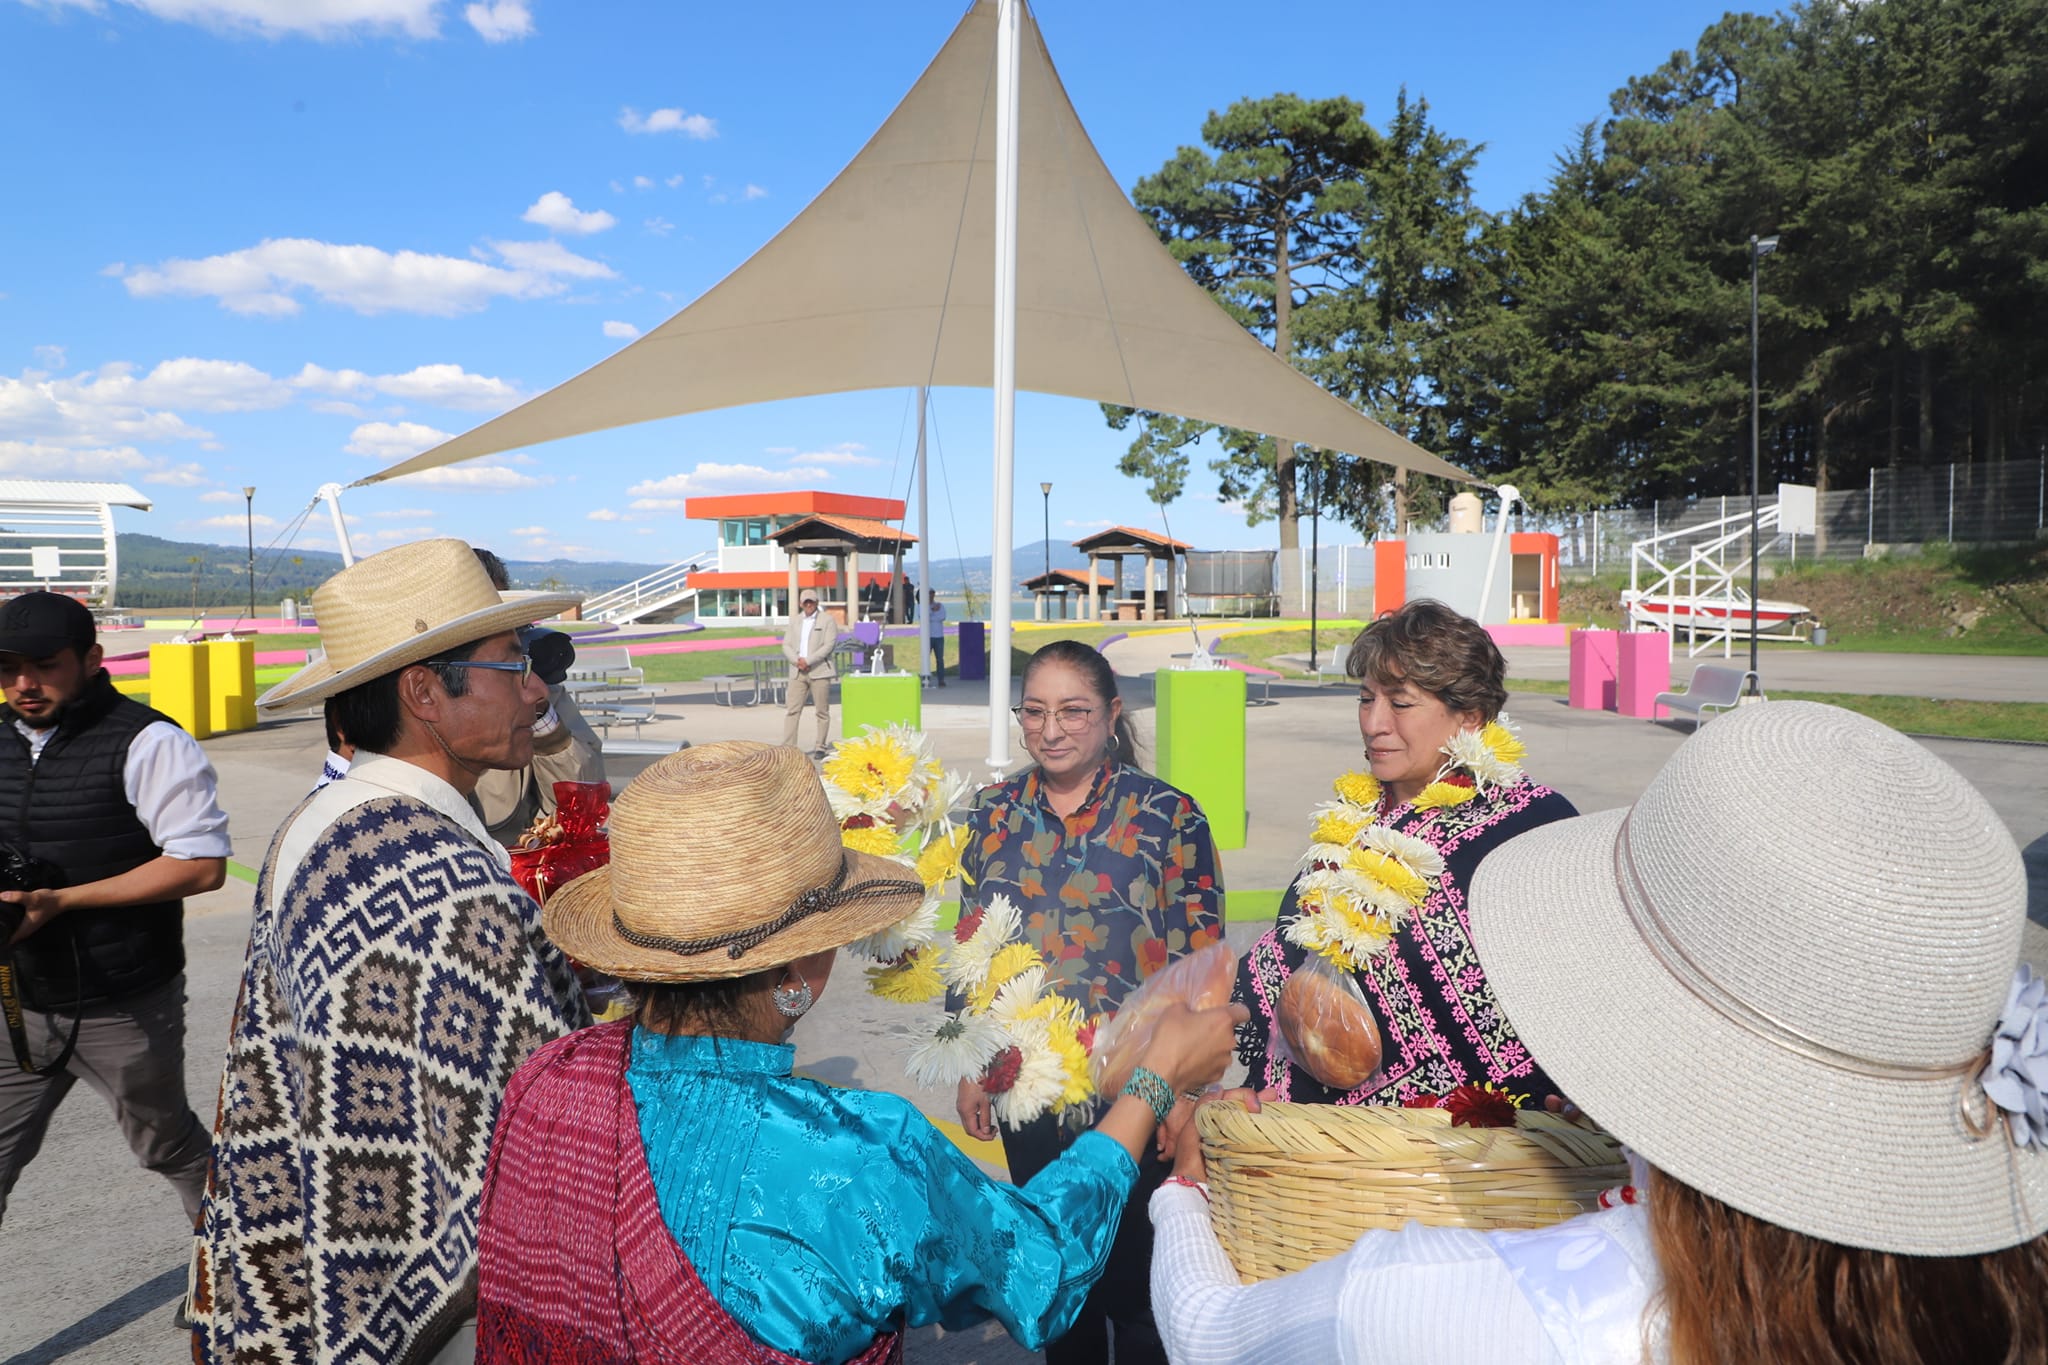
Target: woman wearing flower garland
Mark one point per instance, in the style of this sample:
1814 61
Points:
1382 896
1114 876
663 1189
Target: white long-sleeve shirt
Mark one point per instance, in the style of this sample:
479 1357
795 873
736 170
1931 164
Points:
1574 1294
168 780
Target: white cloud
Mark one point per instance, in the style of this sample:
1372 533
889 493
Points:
50 357
621 331
676 181
556 212
643 530
659 226
475 476
264 280
178 476
550 258
845 453
103 409
443 385
388 441
236 523
753 191
602 514
47 460
321 19
669 121
500 21
531 531
664 495
641 182
220 495
404 514
399 533
1087 525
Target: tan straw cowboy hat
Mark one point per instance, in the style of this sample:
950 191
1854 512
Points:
725 859
1777 977
399 606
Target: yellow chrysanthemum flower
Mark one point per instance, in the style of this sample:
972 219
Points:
1438 795
1011 960
1066 1045
1336 827
940 861
1503 742
1360 789
912 981
872 766
1392 872
879 840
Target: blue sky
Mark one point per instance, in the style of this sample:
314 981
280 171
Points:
282 242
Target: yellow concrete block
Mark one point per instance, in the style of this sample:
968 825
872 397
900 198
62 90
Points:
178 686
231 683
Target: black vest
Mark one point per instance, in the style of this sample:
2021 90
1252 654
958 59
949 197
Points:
70 808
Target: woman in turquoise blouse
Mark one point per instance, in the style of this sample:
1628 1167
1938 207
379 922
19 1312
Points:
782 1212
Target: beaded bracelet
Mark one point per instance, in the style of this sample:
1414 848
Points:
1152 1088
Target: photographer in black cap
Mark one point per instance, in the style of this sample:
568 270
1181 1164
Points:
108 820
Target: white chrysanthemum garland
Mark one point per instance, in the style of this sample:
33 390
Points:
1363 878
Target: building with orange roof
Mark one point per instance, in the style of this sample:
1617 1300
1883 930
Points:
1156 602
843 543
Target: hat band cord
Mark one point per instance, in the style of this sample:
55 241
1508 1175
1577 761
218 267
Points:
1656 934
740 942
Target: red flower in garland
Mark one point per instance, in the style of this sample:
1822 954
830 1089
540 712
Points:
1002 1070
1482 1106
1457 778
858 822
1423 1102
970 922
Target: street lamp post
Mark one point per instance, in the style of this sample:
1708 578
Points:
1045 490
249 524
1759 247
1315 538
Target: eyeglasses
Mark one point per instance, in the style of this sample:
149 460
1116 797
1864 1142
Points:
523 665
1069 717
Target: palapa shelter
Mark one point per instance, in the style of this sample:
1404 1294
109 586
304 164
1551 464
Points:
1062 585
845 538
1156 602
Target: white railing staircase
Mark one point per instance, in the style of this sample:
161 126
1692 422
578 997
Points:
1713 554
660 596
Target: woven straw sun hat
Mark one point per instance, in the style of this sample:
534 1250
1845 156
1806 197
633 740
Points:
399 606
726 859
1776 977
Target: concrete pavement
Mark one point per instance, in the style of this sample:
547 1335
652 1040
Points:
92 1255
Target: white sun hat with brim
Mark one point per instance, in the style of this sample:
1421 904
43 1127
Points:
399 606
1778 975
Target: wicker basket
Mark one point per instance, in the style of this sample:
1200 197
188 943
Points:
1297 1183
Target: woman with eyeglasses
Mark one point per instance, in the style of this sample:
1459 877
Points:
1115 876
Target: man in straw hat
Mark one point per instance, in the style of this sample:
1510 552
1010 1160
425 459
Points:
396 975
1796 979
666 1189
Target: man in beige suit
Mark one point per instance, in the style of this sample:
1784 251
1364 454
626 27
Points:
808 647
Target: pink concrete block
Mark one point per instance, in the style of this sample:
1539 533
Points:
1642 670
1592 670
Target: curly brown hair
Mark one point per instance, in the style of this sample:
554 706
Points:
1738 1290
1430 646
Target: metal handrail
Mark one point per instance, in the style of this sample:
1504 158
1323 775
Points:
1704 562
651 590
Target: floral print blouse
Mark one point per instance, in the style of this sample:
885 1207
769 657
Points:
1440 1026
1108 895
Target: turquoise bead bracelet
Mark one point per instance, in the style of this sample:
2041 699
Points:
1152 1088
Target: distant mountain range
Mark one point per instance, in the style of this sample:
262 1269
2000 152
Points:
175 573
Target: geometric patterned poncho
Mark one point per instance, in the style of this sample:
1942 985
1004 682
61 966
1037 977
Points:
390 989
1440 1026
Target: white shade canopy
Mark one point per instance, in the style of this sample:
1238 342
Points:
885 280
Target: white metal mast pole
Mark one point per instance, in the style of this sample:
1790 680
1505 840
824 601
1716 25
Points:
1008 31
332 493
924 546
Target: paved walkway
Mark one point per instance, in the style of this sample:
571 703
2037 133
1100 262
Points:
92 1255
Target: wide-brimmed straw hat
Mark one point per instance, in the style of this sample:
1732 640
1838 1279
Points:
399 606
1777 976
725 859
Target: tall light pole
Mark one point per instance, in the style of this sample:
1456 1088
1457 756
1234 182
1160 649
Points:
1759 247
1045 490
1315 545
249 524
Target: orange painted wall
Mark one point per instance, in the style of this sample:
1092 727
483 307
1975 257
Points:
792 504
1544 544
1389 575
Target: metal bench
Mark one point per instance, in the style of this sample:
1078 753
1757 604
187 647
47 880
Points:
607 667
1713 688
721 688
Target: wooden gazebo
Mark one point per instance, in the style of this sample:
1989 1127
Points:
845 539
1157 601
1063 586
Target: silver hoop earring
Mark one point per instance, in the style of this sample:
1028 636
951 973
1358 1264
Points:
794 1001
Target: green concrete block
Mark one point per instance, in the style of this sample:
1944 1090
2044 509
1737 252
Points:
1201 744
879 699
